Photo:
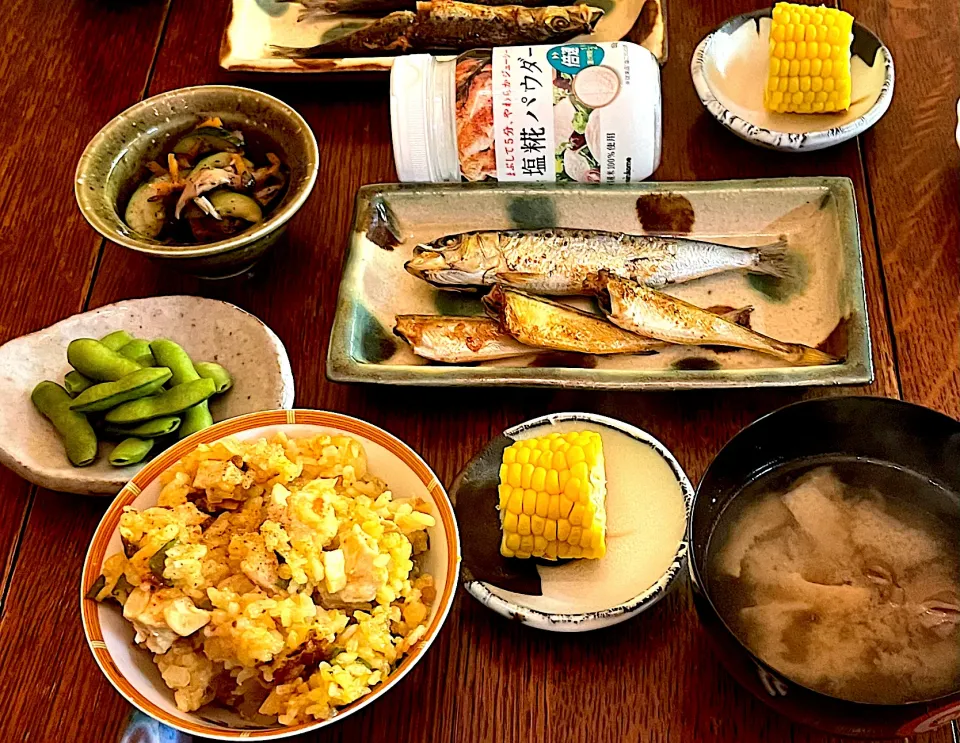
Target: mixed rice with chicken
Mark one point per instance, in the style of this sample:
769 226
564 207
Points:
274 576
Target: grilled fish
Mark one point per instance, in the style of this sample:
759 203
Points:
456 340
645 311
312 10
545 324
450 24
565 261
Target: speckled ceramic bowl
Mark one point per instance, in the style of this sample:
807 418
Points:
112 165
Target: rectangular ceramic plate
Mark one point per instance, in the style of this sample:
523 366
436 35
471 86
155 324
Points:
254 25
825 306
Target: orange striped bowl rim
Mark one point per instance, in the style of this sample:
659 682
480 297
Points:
90 610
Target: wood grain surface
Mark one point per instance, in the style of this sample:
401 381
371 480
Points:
485 679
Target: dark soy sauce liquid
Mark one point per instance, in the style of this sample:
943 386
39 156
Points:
868 639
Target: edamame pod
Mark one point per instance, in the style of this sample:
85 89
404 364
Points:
116 340
79 440
130 451
220 376
94 360
172 402
108 395
75 383
150 430
139 351
173 356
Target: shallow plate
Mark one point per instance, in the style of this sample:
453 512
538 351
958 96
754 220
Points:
131 670
581 595
254 25
729 69
208 329
818 217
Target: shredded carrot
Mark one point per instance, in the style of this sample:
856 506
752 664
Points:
156 168
239 165
213 121
174 167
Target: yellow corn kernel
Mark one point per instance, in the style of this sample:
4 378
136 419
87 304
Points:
572 489
539 545
552 483
510 523
526 473
543 504
563 530
526 544
509 455
504 492
537 525
551 551
513 541
566 505
546 460
523 525
515 504
523 456
553 509
576 515
550 530
529 502
559 460
513 476
538 480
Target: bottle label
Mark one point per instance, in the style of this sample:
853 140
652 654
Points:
575 112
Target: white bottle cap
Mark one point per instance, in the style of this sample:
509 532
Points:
423 119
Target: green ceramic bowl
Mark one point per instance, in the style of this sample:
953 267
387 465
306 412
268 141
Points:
112 166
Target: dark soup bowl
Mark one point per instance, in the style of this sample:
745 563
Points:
899 464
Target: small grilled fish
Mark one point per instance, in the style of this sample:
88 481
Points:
456 340
392 33
645 311
321 9
545 324
565 261
450 24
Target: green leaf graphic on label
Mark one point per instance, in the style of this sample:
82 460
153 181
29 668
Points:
571 58
580 119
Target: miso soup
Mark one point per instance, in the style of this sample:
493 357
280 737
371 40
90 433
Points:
844 576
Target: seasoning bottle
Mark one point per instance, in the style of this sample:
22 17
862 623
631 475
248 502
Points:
574 112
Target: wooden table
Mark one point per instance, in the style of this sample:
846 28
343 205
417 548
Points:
66 70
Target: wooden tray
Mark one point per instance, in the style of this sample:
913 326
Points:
818 217
253 25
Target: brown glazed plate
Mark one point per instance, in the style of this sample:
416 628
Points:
824 307
254 25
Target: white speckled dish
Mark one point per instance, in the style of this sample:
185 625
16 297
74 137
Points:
208 329
729 69
566 595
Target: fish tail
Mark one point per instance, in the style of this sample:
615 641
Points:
294 52
806 356
774 260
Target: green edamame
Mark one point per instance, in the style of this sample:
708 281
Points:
139 351
212 370
152 429
94 360
173 356
75 383
108 395
116 340
172 402
130 451
79 439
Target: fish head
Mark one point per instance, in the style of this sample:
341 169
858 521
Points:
582 18
453 261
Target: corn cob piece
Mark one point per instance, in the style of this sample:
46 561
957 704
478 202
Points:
552 492
809 60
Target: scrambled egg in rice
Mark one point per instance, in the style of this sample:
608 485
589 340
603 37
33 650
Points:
274 576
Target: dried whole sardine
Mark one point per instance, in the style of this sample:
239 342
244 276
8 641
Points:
392 33
450 24
545 324
454 25
645 311
456 340
565 261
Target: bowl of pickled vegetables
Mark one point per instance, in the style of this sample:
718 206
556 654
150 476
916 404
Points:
204 177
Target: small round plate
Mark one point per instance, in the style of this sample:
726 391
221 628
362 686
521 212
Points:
648 507
729 69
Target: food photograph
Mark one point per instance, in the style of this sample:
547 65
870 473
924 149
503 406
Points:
442 371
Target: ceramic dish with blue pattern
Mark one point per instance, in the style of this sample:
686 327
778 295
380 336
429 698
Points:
647 506
729 69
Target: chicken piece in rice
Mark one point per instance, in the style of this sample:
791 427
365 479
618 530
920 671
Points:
274 574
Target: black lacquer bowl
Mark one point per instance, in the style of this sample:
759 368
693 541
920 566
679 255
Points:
899 433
